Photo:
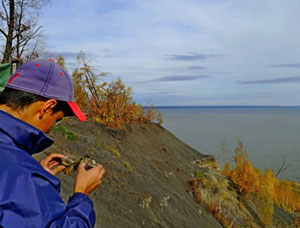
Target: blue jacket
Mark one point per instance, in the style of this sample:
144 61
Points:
29 195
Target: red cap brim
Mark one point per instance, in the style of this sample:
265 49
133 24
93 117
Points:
76 110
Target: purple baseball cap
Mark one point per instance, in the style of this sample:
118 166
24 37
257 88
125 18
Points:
46 78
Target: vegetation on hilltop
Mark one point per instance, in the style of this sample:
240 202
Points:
108 103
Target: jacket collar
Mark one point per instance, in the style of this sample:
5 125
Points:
24 135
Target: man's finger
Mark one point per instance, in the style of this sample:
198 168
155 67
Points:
101 173
100 167
52 164
53 155
52 161
81 166
58 170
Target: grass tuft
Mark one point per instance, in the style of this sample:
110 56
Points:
127 165
70 135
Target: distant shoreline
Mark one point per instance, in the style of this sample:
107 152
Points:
221 107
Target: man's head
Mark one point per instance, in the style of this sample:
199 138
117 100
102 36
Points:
40 93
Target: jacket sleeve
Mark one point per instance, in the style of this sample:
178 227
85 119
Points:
79 213
34 201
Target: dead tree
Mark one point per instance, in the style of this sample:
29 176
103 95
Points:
8 17
20 29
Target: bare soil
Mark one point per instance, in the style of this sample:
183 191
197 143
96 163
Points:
146 185
148 171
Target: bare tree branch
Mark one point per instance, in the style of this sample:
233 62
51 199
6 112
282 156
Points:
284 166
29 38
25 40
6 13
23 36
10 27
2 16
3 32
33 51
19 30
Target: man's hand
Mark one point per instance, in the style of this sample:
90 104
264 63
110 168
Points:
88 180
51 161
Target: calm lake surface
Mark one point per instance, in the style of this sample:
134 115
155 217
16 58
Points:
271 135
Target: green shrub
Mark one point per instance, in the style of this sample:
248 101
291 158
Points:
160 119
114 151
98 142
70 135
127 165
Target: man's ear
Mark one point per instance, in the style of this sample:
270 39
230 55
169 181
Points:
47 107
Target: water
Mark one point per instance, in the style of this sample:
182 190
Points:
271 135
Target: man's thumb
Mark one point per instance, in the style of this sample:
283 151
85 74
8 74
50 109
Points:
81 166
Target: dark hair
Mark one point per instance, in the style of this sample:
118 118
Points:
18 100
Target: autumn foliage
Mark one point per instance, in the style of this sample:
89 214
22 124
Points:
108 103
266 189
287 196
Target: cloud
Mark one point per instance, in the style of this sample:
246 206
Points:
290 65
174 78
141 41
272 81
64 54
179 78
193 56
111 56
197 68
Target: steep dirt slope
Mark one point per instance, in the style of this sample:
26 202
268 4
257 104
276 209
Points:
147 169
154 180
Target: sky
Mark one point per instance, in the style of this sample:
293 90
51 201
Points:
185 52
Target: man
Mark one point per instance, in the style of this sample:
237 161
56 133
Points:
38 95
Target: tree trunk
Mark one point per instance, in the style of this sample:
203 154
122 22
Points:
19 25
9 38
